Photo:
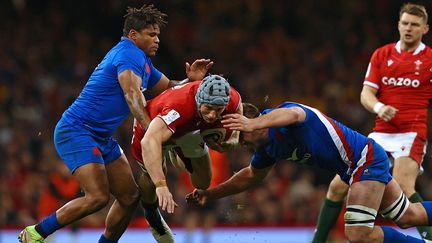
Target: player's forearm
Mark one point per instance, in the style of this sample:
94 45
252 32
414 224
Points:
368 100
137 103
152 159
277 118
239 182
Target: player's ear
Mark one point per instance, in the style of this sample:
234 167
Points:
426 29
132 34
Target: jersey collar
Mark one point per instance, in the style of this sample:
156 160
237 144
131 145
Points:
420 48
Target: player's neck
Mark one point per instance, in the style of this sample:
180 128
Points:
409 47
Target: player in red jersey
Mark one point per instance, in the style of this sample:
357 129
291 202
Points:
184 119
397 87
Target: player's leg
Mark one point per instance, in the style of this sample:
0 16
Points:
201 171
80 152
370 180
330 209
408 150
158 227
396 206
94 183
405 172
196 159
123 187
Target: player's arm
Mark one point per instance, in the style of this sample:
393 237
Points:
131 86
369 100
241 181
277 118
151 147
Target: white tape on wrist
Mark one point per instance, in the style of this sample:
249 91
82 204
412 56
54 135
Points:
377 107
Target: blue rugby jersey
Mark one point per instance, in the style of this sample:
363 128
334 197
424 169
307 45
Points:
101 106
319 141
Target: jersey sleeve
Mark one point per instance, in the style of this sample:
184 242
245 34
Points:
173 117
129 59
372 77
155 74
261 160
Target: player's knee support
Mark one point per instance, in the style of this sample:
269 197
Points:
359 215
397 209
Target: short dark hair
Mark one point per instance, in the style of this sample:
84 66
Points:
140 18
250 111
414 9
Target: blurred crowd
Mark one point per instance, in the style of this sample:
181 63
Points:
313 52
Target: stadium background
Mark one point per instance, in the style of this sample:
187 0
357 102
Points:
313 52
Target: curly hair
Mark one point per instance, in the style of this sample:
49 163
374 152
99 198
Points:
140 18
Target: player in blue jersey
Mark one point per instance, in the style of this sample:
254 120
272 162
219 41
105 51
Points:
83 136
305 135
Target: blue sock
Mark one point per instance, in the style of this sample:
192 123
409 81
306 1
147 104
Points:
48 226
428 207
105 240
391 235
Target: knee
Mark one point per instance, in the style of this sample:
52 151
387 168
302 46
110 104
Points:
337 190
130 198
97 201
413 216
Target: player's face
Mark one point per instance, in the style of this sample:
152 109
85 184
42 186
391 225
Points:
211 113
148 40
411 29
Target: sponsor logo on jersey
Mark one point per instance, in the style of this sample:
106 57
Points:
400 82
295 158
171 116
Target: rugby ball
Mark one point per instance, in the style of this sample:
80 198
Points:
217 135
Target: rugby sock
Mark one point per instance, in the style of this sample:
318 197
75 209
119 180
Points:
48 226
424 231
391 236
153 216
105 240
327 218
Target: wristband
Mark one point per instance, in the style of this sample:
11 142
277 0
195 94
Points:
377 107
161 183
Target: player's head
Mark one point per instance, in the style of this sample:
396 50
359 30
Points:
252 140
412 24
142 26
212 97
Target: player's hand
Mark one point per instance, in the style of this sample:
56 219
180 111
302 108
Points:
166 201
237 122
387 112
198 69
198 196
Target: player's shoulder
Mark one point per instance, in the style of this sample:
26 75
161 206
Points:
181 97
126 48
385 49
